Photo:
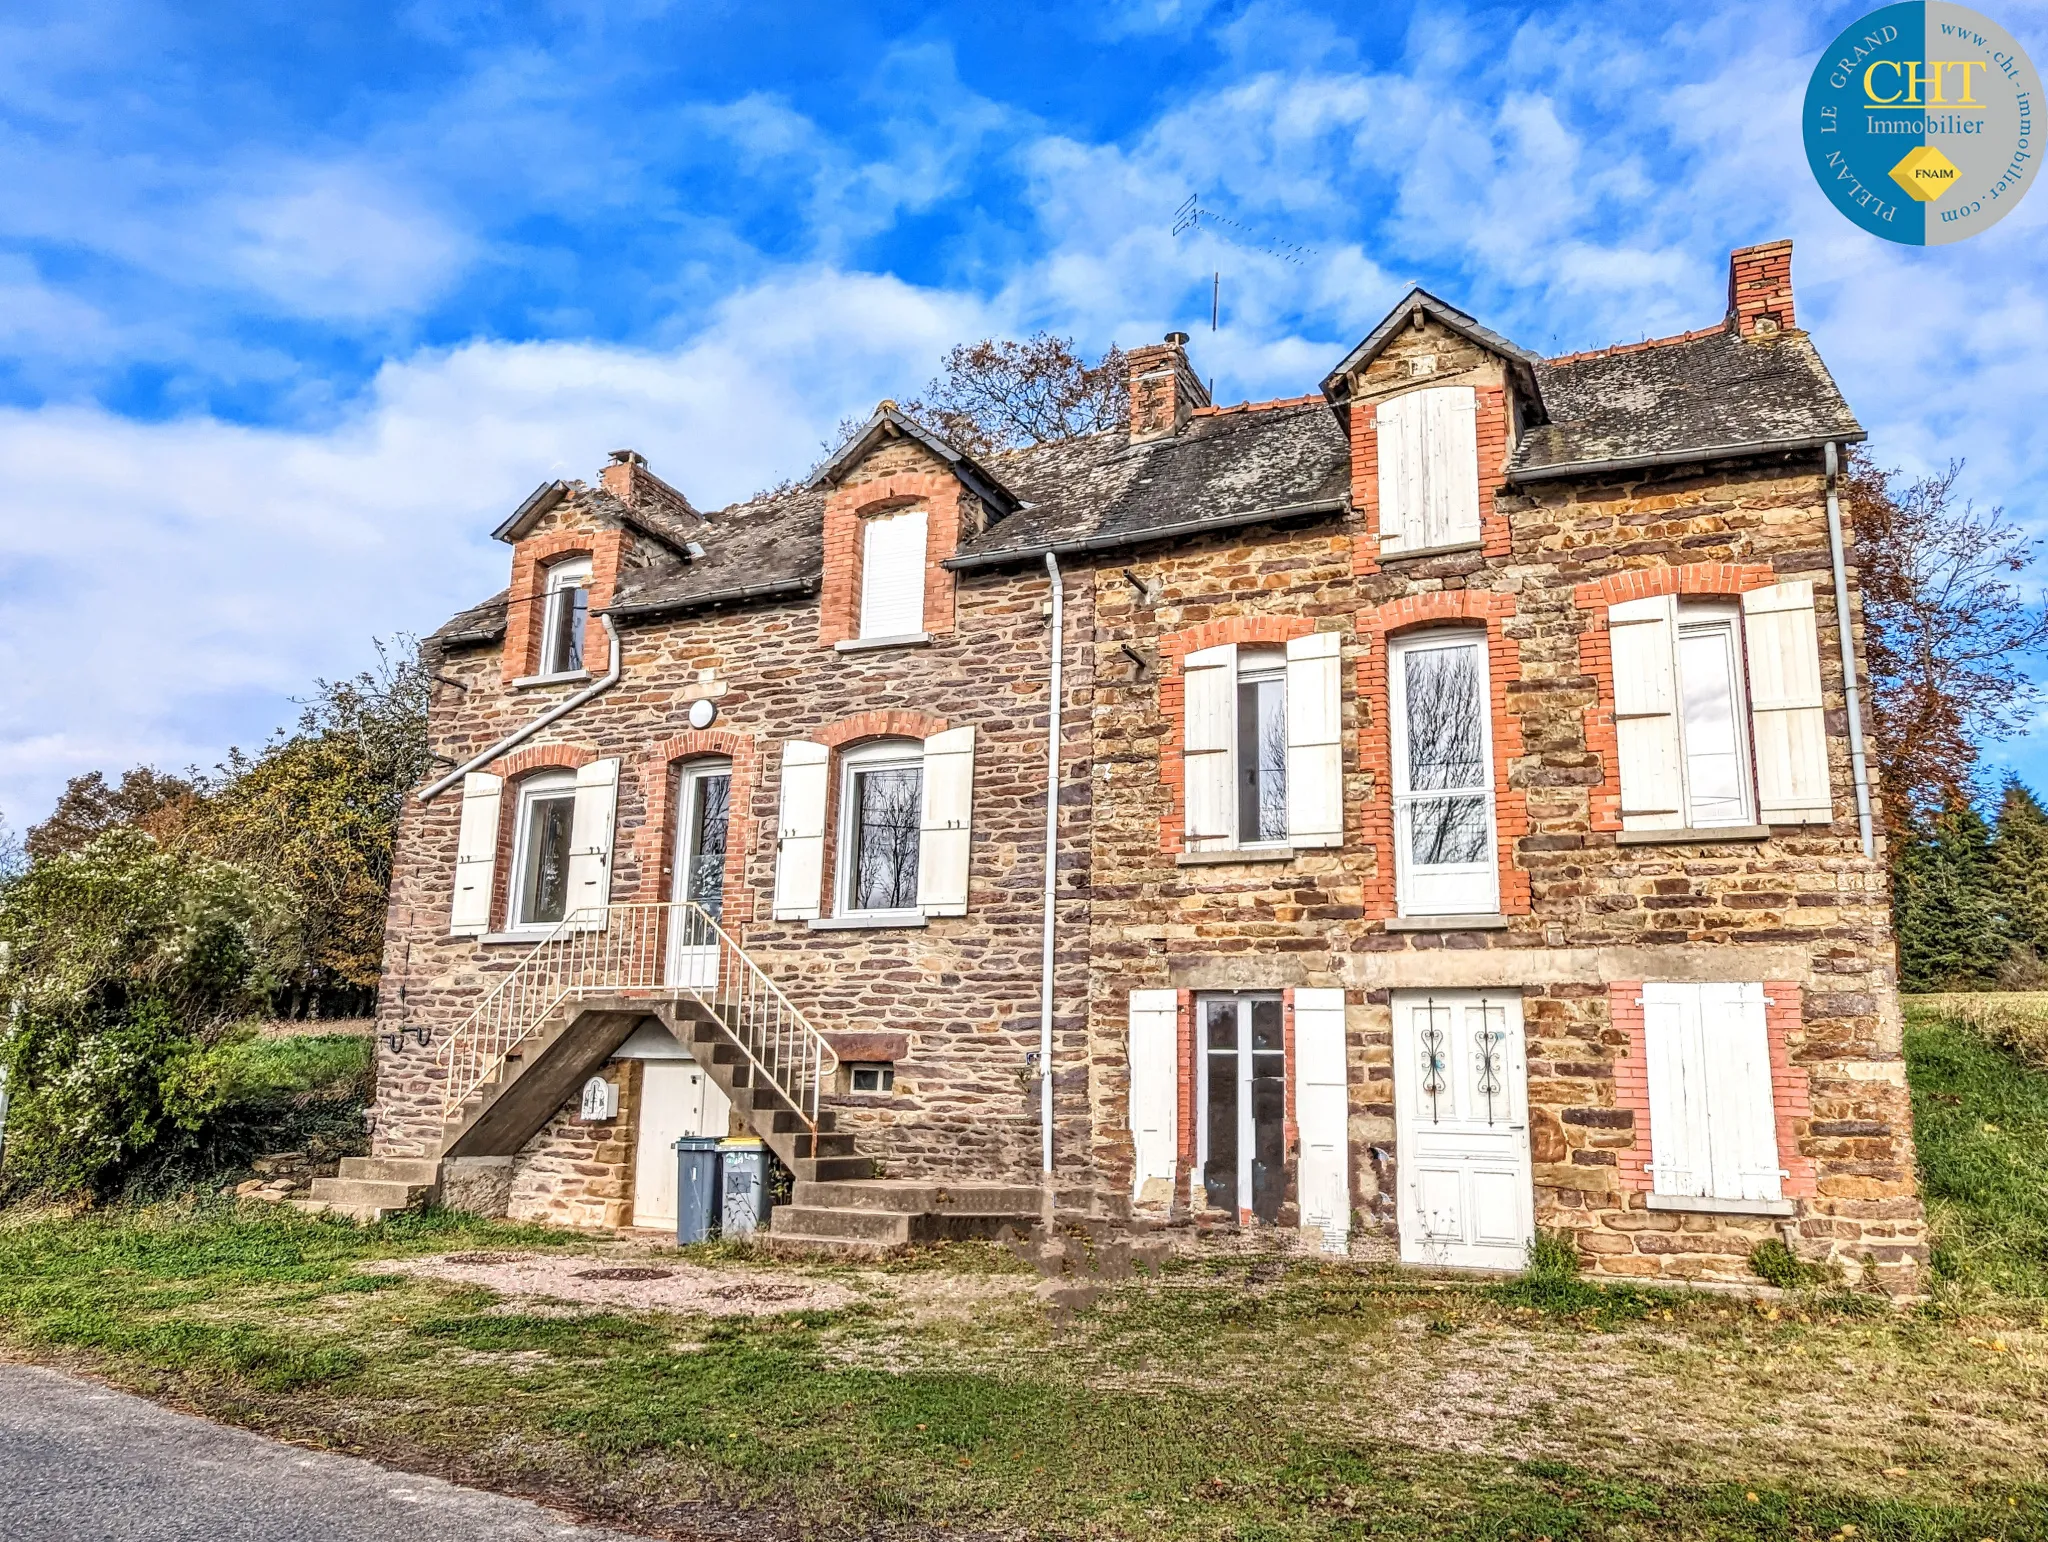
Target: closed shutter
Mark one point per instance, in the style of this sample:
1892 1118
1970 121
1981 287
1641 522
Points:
800 831
1743 1125
590 844
1210 700
946 833
892 575
1681 1161
1642 636
1451 440
1785 705
1323 1113
1155 1093
1403 479
1315 748
476 854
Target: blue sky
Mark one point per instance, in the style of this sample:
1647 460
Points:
297 302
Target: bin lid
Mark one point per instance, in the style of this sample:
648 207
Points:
697 1143
740 1143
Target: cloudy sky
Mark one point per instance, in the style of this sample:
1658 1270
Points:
297 302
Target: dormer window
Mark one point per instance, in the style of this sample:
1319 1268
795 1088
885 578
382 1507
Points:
568 609
892 574
1429 469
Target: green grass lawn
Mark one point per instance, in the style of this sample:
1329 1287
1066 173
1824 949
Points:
1231 1399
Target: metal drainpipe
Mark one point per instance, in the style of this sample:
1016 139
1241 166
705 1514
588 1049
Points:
1052 848
1859 771
560 709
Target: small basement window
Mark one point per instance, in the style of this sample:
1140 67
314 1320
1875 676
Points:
568 610
872 1078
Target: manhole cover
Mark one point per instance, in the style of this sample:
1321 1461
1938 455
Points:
626 1272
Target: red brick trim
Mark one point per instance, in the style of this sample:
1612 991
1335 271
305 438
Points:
1495 538
878 725
1791 1096
945 503
516 768
527 602
1174 648
543 757
1290 1124
658 770
1596 657
1375 747
1185 1023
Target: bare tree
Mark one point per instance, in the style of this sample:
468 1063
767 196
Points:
1444 702
1950 633
1001 394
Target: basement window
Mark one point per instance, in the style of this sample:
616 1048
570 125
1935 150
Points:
872 1078
567 611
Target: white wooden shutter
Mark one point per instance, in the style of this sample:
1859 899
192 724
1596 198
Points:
1155 1092
1323 1112
1209 700
1681 1162
590 843
1315 748
1642 637
1742 1134
800 831
946 831
1785 705
1451 442
1403 477
476 854
892 575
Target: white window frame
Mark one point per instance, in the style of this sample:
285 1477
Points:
1694 618
876 755
572 573
872 627
1472 888
544 784
1256 666
685 853
1247 1125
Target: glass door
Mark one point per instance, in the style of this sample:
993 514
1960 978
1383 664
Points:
1243 1131
703 798
1445 862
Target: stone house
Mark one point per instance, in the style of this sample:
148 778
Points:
1402 816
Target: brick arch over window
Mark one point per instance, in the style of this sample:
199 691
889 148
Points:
527 600
1375 745
544 757
878 725
848 505
517 768
1596 656
657 771
1174 648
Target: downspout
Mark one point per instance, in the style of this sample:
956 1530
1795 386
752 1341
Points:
1859 771
560 709
1052 849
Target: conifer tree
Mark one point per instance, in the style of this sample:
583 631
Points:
2019 873
1951 936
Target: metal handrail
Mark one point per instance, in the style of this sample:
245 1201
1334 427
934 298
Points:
637 947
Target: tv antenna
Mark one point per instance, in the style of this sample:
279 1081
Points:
1193 214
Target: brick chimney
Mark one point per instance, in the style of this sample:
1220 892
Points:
628 480
1760 289
1164 390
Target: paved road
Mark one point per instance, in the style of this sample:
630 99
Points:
79 1463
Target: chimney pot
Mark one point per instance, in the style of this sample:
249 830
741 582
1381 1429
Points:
1178 339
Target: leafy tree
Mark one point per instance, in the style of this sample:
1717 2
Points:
1951 936
146 799
124 967
1001 394
13 859
2019 874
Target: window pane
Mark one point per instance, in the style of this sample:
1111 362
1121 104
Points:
1444 698
1713 753
545 886
706 882
570 608
885 838
1262 759
1219 1171
1220 1025
1443 831
1268 1032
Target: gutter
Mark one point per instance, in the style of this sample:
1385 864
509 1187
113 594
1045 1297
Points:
1052 851
1581 468
1852 690
560 709
1093 543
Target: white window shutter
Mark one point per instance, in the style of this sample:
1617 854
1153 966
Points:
1451 436
1642 637
892 574
1785 705
1743 1125
590 843
1402 479
1155 1093
1681 1161
1315 740
1209 699
946 834
800 831
476 854
1323 1112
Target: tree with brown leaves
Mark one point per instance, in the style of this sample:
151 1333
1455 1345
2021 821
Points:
1001 394
146 799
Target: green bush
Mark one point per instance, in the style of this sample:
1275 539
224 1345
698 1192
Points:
1773 1262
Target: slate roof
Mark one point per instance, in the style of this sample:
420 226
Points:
1704 396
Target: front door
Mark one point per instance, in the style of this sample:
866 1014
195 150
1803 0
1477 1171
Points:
1462 1100
1243 1095
676 1099
704 797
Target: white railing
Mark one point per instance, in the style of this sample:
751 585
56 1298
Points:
660 951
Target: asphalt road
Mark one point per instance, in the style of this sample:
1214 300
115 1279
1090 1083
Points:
80 1463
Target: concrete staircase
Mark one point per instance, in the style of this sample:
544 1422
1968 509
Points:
371 1188
871 1218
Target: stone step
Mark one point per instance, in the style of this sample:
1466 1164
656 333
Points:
869 1225
838 1169
366 1214
911 1196
370 1193
414 1170
787 1121
804 1145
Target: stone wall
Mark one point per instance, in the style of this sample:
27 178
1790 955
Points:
576 1174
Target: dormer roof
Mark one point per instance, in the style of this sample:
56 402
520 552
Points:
890 422
1419 301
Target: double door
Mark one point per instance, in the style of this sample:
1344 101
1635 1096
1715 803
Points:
1242 1136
